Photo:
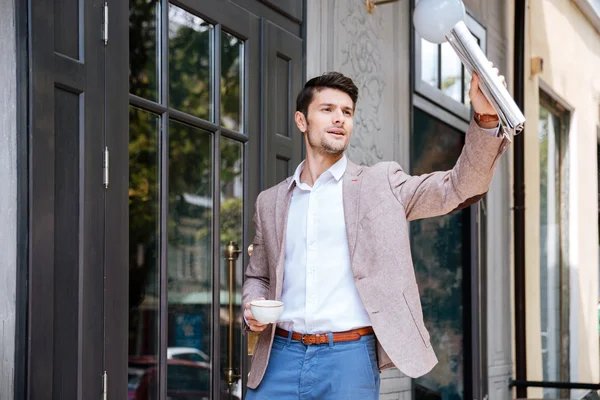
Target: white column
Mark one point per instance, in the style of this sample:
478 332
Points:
499 316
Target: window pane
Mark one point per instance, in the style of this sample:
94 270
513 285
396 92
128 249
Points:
466 87
190 63
430 58
550 270
438 245
451 73
231 81
190 258
144 251
143 49
232 223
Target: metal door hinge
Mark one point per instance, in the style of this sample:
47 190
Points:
105 168
105 24
104 386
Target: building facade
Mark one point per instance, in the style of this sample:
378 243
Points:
138 134
562 103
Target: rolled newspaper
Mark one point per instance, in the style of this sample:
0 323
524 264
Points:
466 47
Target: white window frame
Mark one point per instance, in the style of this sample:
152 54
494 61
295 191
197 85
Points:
435 95
550 99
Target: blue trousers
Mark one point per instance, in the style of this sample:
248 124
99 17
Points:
334 371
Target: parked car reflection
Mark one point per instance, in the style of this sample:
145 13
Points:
187 353
186 380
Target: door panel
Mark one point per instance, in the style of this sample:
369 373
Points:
67 200
186 134
282 77
193 132
441 254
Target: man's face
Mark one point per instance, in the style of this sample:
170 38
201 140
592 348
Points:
329 123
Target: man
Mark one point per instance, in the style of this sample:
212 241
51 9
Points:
332 244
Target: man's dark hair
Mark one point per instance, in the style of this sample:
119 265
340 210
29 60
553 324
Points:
330 80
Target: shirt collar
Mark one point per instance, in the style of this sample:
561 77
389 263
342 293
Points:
336 170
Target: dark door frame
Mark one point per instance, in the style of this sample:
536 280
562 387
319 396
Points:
117 211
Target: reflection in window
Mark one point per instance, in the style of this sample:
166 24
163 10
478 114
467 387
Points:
231 81
232 224
466 86
143 49
144 250
452 84
438 245
429 63
553 246
442 69
190 253
190 63
189 234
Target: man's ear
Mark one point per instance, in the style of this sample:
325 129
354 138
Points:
300 121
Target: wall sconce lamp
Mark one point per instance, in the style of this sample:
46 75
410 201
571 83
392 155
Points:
372 4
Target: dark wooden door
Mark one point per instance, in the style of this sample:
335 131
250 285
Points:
86 172
66 199
282 77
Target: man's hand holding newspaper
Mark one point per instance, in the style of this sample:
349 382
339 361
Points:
486 78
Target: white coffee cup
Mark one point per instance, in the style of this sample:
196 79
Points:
266 311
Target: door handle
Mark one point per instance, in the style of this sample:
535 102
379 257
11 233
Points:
231 254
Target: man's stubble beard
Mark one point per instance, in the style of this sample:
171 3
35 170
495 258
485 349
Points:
324 147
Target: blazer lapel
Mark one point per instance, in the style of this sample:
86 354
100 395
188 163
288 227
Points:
351 195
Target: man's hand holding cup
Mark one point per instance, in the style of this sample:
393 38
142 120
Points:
258 313
254 325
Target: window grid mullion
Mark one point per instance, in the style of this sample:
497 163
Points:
216 201
163 73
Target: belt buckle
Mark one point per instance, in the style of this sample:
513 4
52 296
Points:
302 340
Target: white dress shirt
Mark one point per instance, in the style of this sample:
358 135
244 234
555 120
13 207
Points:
319 293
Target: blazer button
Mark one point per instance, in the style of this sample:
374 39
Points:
250 249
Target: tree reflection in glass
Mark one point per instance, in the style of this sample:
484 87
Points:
190 257
231 82
143 49
189 232
190 63
144 253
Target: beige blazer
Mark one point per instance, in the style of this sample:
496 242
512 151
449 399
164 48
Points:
378 203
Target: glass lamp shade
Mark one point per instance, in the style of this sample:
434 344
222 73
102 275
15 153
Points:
433 19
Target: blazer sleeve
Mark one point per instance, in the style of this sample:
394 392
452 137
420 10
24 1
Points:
257 281
442 192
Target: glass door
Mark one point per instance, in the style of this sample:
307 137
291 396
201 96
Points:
441 254
192 145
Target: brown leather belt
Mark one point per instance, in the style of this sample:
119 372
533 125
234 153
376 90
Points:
323 338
